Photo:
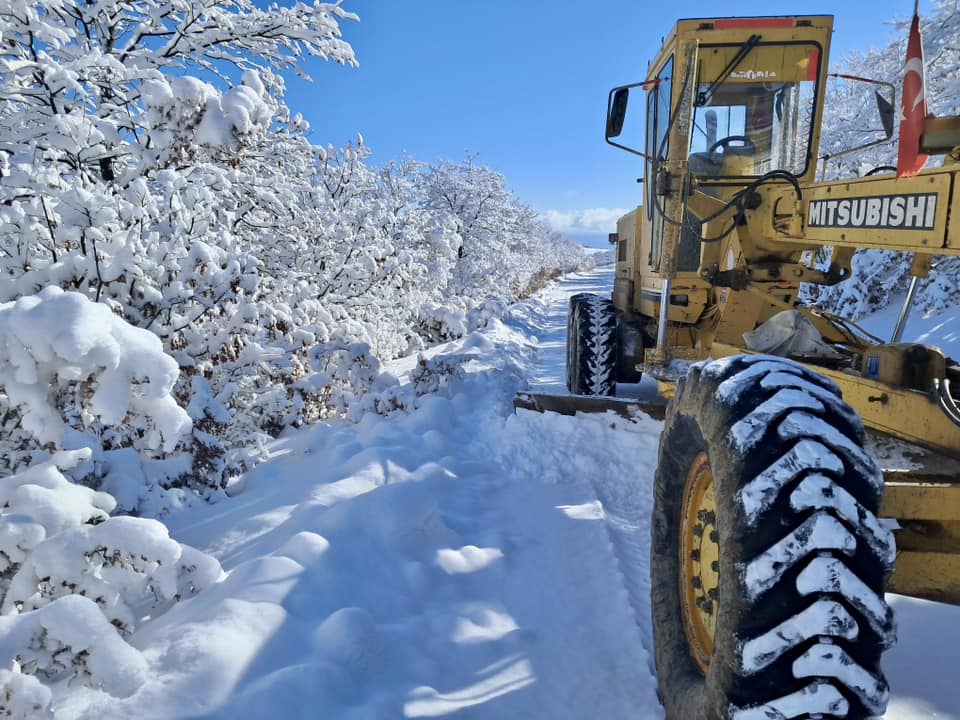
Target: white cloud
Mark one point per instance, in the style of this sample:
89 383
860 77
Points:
591 220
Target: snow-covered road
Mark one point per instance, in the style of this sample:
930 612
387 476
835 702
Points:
456 561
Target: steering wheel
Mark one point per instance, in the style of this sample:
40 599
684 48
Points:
748 148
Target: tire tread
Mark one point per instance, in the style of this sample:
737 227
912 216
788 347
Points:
803 521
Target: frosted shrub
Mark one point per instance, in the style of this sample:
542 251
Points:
941 290
73 577
56 344
129 566
75 375
57 539
438 323
23 697
432 375
344 373
39 503
210 418
480 316
877 275
70 639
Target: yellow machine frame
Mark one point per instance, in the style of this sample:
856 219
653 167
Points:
755 270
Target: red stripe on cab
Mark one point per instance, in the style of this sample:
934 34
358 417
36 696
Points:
732 23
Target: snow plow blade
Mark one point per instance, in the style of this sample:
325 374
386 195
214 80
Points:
573 404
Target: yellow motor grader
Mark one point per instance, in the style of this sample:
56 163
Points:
774 505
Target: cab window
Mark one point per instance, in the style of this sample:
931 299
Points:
759 117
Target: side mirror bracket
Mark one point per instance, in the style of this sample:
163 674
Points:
885 107
618 100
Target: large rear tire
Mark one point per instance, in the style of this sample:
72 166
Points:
768 562
591 345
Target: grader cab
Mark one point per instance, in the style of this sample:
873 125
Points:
774 505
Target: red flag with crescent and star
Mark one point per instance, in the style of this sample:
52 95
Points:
910 160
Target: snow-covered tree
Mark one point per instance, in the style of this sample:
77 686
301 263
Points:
503 242
129 134
148 161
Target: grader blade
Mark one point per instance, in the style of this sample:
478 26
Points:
573 404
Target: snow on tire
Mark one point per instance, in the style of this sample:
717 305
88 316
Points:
591 345
789 620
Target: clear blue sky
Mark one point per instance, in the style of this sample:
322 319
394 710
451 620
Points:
523 84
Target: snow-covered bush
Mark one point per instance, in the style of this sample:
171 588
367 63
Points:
344 372
480 316
23 697
72 578
129 566
61 354
75 375
39 503
439 323
69 639
432 375
429 376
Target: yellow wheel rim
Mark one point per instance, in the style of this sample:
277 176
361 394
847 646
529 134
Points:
699 562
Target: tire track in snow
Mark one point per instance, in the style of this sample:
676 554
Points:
628 525
586 601
619 479
627 501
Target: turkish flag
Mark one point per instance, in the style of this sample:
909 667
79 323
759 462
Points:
910 160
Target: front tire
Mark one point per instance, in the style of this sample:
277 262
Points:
767 560
591 345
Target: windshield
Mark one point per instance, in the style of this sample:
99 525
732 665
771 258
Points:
759 117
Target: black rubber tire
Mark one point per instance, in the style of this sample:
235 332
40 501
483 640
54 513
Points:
630 344
788 466
573 364
591 345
